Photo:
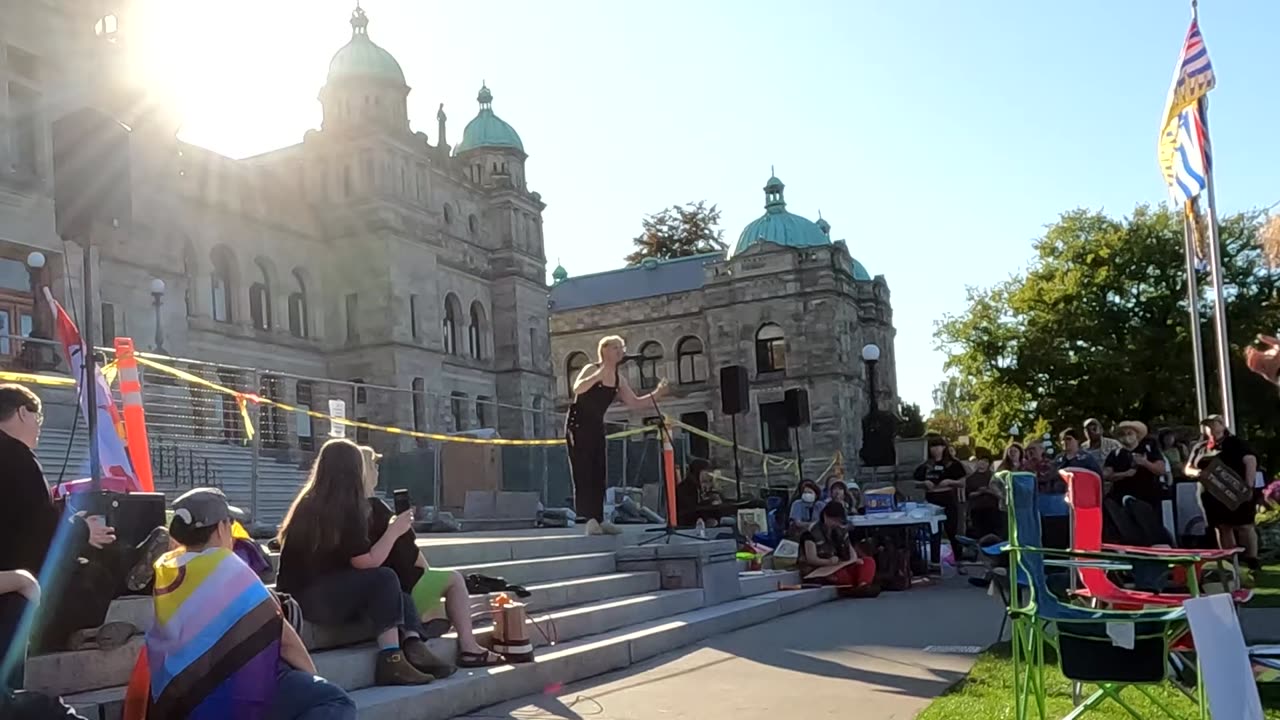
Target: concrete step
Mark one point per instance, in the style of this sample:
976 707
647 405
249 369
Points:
572 661
546 569
137 610
575 659
766 581
352 668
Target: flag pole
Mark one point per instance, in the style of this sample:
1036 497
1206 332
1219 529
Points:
1193 309
1219 306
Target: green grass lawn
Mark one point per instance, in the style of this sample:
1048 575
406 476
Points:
1266 587
987 694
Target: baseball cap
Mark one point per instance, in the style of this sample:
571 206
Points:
1213 419
1092 421
205 507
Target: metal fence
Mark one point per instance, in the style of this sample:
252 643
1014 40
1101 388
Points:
198 436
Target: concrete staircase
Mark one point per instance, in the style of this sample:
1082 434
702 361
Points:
278 483
600 618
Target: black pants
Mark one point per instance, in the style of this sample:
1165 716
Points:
12 606
589 465
352 595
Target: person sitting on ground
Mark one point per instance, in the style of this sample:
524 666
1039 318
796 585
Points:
804 509
336 574
427 587
86 579
219 647
837 493
694 499
826 545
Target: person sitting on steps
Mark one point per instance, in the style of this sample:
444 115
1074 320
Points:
330 566
426 586
251 663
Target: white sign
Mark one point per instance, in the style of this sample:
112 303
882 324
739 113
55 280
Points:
337 409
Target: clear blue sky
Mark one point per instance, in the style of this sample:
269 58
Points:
937 137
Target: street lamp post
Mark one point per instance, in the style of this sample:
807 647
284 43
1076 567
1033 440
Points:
878 427
157 297
871 356
37 354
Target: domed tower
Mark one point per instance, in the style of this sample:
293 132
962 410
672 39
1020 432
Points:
778 226
491 150
365 86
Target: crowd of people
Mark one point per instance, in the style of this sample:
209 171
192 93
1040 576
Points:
1140 470
345 558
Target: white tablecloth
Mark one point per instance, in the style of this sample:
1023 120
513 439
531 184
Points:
931 515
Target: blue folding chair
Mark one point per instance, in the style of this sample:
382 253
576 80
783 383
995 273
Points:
1107 648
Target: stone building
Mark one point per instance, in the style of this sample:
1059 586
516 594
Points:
366 252
788 303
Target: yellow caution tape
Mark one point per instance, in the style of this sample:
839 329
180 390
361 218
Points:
243 398
33 379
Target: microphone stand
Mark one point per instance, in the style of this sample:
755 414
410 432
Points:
670 530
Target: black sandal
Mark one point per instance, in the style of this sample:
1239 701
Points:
484 658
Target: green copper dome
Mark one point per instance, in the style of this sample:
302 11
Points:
360 58
860 272
559 275
487 130
778 226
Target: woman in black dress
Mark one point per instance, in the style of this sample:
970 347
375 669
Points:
595 389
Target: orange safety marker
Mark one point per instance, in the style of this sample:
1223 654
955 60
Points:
669 469
135 419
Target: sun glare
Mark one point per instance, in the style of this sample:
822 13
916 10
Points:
219 66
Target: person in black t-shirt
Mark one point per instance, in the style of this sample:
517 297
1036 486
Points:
943 478
1135 468
329 565
1234 528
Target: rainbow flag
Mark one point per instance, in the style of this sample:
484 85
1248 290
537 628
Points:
214 649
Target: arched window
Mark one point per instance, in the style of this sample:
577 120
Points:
298 325
693 367
473 224
260 298
650 359
222 283
476 331
771 350
452 314
572 367
448 214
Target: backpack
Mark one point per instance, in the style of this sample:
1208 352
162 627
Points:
893 565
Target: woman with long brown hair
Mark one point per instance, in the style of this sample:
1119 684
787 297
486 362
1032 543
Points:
329 565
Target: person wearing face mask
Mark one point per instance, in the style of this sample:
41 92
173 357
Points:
804 509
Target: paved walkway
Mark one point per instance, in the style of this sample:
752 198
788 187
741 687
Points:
846 659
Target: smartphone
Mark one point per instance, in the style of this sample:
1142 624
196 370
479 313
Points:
403 503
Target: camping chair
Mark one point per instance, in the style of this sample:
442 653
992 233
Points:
1085 488
1107 648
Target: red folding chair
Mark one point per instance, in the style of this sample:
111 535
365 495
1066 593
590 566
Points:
1084 489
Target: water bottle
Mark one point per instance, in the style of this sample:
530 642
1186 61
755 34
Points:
701 527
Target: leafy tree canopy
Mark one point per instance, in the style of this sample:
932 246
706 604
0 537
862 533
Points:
679 232
1097 326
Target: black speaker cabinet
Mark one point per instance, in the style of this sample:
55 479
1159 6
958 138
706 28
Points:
91 177
735 393
797 402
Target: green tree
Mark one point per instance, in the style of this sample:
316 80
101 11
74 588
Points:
912 420
950 416
679 232
1098 326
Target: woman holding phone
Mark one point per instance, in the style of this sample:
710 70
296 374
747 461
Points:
439 598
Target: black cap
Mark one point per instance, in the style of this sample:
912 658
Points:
205 507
